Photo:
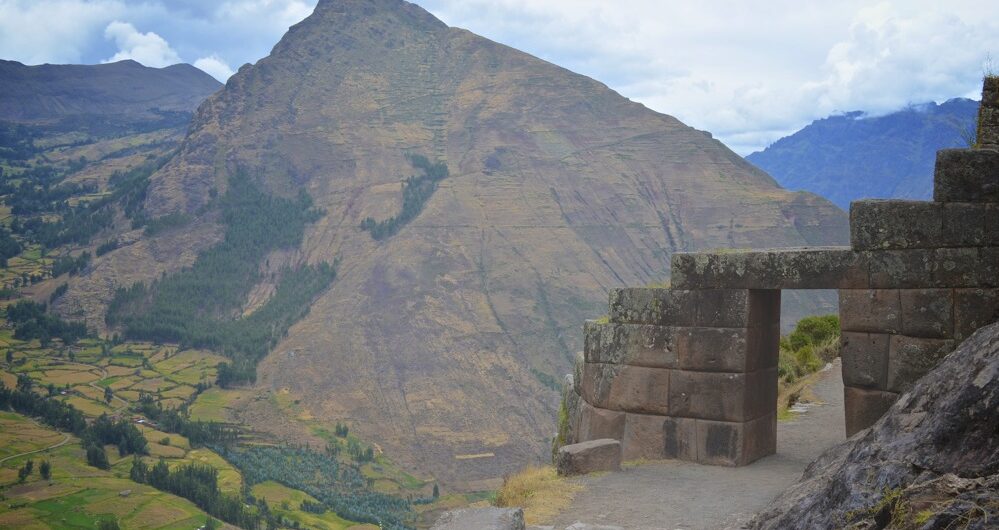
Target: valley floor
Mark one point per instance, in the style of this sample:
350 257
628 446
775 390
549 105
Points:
683 495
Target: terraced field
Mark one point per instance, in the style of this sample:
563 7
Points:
80 375
77 495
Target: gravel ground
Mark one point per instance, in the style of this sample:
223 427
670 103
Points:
681 495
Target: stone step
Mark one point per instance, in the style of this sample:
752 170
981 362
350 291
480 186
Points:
481 519
966 175
901 224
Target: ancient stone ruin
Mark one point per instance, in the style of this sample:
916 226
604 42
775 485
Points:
690 372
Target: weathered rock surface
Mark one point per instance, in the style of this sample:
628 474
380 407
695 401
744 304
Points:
933 458
481 519
588 457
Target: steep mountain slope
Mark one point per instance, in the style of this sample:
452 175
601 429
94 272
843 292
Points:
438 341
121 91
850 156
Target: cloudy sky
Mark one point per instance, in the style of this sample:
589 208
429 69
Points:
749 72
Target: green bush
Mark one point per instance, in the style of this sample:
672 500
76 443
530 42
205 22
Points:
814 341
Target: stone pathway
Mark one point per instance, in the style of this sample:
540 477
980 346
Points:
682 495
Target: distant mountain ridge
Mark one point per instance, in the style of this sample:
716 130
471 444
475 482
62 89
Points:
124 90
849 156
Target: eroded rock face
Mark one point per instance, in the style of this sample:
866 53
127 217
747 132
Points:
931 460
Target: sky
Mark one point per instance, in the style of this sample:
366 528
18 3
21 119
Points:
749 72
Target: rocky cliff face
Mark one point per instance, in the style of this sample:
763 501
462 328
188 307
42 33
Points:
931 462
437 342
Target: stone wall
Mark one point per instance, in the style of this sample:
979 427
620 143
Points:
690 372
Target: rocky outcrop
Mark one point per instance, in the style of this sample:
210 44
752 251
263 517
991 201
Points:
481 519
931 462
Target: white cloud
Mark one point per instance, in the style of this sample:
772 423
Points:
147 48
214 66
749 72
52 31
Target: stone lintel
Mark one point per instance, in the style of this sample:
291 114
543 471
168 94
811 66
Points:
786 268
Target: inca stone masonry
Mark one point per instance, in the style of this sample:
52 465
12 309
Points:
690 372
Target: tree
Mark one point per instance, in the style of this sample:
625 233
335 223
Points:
139 470
211 523
24 383
437 491
25 470
108 395
45 470
96 457
10 357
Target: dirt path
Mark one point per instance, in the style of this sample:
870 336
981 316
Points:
65 439
681 495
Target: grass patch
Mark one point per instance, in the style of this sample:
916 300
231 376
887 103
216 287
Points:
539 491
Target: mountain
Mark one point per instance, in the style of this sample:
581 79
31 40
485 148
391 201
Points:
852 156
125 91
478 203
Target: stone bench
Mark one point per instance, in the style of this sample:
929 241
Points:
588 457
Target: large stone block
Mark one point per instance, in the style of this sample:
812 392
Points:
627 388
864 407
727 349
598 378
661 307
872 311
992 225
680 435
894 269
927 312
722 396
787 268
966 175
973 309
988 114
959 267
736 444
904 224
633 344
737 308
911 358
644 437
588 457
596 423
578 366
481 519
865 359
572 403
895 224
714 349
965 224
